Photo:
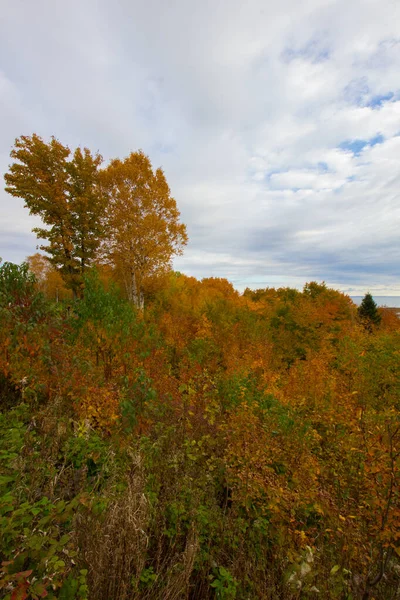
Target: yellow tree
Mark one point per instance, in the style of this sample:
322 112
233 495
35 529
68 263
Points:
64 193
48 279
143 228
40 266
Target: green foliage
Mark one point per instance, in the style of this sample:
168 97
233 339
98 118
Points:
19 298
137 396
36 534
107 323
105 308
241 387
224 584
147 577
87 450
75 587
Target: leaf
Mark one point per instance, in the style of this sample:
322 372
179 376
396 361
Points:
5 479
5 563
335 569
40 589
24 574
20 592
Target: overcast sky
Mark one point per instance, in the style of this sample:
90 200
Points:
277 124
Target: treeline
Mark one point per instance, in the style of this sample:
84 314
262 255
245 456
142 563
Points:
216 445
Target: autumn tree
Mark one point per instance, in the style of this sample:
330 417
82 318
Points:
143 228
64 192
39 265
48 278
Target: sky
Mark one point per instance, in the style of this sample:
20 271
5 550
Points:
277 125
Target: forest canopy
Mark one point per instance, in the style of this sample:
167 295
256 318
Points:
217 445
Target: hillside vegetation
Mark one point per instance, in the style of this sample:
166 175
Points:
214 445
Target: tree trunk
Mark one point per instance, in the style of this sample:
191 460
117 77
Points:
133 291
135 294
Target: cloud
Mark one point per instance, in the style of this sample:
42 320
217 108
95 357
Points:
277 125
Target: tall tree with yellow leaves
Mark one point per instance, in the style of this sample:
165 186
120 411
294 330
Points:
143 228
64 193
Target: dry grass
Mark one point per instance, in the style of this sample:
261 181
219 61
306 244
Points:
175 582
114 546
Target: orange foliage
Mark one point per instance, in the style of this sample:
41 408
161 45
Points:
48 278
300 401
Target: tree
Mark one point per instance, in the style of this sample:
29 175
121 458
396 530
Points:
65 194
143 228
48 279
40 266
368 311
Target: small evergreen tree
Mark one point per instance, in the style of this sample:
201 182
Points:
368 311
